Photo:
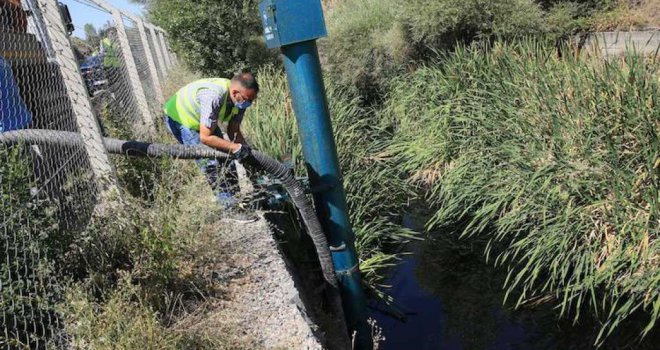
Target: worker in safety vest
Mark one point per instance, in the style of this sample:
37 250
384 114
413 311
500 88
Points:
192 115
111 73
110 54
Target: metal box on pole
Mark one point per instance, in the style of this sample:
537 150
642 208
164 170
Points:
288 22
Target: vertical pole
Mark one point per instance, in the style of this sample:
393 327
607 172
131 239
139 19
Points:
158 52
170 53
310 104
173 56
134 78
75 89
150 59
163 47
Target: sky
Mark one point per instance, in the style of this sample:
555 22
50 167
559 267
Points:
82 13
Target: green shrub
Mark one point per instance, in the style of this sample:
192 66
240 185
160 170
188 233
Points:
214 37
359 52
371 42
566 18
376 195
556 159
146 235
29 240
443 24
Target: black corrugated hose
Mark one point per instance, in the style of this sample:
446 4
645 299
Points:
258 160
143 149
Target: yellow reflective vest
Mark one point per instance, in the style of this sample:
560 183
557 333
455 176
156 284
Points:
184 106
110 54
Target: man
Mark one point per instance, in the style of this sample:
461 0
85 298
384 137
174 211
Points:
109 50
192 116
104 70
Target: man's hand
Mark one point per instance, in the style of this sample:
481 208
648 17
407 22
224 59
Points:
241 153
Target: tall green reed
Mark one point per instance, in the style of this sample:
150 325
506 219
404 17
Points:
555 161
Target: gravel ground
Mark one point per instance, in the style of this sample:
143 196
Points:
258 306
264 301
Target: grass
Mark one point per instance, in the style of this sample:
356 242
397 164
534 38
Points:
554 161
135 275
147 265
177 78
141 267
376 194
371 42
122 321
628 15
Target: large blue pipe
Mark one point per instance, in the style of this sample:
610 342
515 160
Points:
310 105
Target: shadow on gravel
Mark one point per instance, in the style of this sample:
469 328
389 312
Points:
299 255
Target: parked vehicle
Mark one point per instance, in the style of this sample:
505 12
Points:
94 74
13 112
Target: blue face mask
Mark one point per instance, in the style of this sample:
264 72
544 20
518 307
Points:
243 105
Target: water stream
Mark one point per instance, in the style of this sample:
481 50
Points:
428 325
429 318
452 300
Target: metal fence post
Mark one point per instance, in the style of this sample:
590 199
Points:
75 88
168 49
173 55
132 72
163 47
150 60
159 52
294 28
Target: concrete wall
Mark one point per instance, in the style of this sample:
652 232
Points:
616 43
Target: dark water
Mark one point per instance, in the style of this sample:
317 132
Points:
453 300
427 325
436 322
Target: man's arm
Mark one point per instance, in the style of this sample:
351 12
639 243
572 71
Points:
234 128
210 105
206 137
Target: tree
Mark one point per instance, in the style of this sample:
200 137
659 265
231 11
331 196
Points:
217 37
91 35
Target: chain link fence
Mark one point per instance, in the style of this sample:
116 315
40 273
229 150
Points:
52 80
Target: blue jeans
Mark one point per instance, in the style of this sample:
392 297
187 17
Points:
225 187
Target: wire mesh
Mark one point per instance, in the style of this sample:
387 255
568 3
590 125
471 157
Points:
106 76
46 192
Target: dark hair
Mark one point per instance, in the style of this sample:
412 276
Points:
247 80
